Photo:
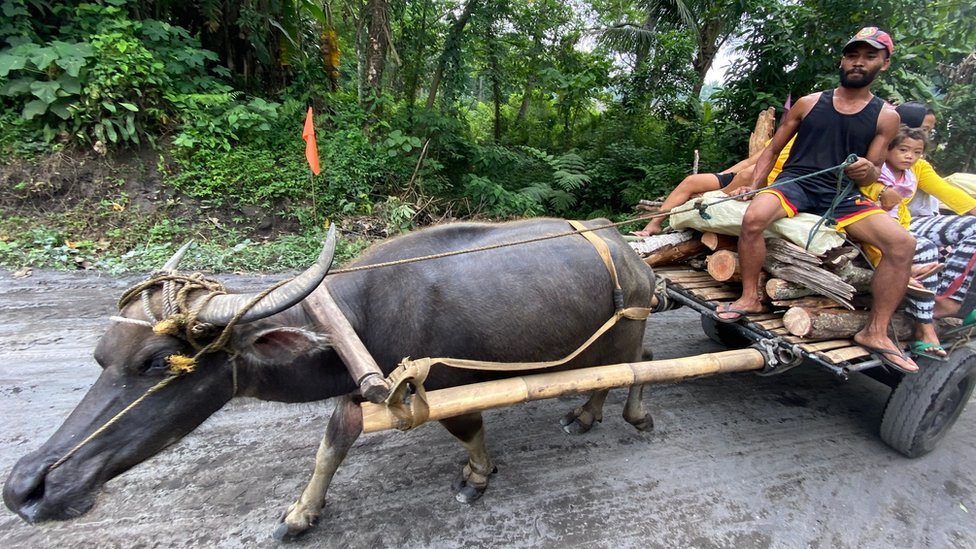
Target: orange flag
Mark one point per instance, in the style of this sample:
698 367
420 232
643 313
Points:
311 150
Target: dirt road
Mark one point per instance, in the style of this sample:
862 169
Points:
735 461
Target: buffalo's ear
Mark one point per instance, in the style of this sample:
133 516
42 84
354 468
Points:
283 345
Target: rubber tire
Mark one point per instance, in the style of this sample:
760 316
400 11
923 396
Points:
723 334
925 405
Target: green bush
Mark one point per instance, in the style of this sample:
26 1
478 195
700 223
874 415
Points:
104 78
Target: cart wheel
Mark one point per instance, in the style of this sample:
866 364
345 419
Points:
723 334
924 406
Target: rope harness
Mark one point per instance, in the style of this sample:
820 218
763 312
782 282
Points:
408 397
179 320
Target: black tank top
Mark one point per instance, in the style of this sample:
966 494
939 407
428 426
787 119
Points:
826 137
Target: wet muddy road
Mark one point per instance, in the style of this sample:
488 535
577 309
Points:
735 461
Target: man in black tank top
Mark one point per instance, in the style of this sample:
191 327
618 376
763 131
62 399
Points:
829 126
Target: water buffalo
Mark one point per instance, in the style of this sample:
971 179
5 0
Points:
531 302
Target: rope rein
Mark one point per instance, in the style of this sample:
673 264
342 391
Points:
701 208
180 321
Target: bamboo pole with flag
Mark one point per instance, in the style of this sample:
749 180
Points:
311 149
311 153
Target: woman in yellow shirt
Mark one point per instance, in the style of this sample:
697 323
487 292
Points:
957 233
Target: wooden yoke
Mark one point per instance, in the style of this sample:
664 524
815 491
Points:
363 369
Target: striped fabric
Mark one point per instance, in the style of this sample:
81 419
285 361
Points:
956 235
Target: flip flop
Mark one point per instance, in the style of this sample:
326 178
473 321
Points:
882 354
915 289
929 350
727 308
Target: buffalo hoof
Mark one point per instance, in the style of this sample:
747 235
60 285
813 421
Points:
644 423
468 487
578 421
293 523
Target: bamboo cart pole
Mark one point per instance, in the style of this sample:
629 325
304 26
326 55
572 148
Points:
477 397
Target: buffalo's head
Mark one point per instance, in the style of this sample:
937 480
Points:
167 365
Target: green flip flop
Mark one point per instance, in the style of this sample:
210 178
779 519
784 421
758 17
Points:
929 350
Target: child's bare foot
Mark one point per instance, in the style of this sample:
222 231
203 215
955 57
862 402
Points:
946 308
647 231
927 342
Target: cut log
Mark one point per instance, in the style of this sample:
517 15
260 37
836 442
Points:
836 323
860 301
651 244
778 289
810 301
649 203
763 132
859 277
716 241
838 257
723 266
676 253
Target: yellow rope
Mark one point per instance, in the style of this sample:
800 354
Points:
162 383
180 324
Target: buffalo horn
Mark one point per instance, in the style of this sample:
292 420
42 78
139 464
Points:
222 308
174 261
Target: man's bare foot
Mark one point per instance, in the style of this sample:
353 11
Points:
886 351
733 312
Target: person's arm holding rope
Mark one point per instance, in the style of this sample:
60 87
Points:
867 170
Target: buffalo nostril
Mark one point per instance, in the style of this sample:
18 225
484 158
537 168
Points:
25 498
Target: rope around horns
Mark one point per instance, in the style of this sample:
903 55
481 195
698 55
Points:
180 323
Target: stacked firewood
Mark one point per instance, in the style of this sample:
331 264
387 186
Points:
824 296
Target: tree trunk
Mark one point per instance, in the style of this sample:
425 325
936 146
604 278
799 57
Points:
418 61
836 323
709 43
453 41
377 45
526 99
675 253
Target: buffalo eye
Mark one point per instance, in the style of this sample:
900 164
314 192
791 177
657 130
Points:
156 364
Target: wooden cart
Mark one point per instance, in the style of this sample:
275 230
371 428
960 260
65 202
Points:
922 407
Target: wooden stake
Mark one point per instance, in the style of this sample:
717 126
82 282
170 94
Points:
361 365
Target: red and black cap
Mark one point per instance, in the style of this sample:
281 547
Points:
874 37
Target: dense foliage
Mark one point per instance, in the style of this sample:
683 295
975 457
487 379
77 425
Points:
434 109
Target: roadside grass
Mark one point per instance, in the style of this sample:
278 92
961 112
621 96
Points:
28 243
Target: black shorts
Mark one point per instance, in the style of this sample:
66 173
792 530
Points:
815 198
724 179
